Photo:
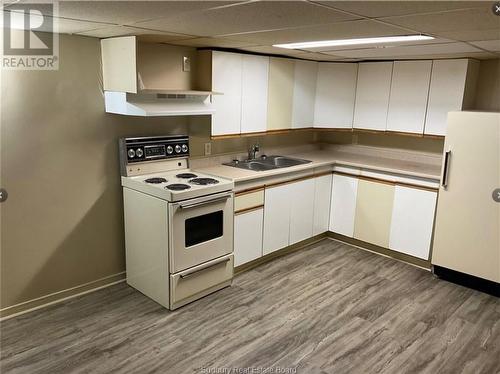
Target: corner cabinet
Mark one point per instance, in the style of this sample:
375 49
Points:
372 95
343 204
335 95
452 88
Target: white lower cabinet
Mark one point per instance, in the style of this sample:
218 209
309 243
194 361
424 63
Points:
301 210
343 204
322 193
277 204
412 221
248 236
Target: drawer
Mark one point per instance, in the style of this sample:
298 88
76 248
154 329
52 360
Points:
248 200
198 281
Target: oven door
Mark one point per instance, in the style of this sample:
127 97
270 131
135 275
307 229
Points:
201 229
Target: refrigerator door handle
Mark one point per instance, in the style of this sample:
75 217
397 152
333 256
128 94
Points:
446 169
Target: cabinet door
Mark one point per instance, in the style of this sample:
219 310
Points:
373 212
335 95
276 218
304 90
412 221
301 203
446 93
226 78
372 95
280 99
255 74
248 236
322 193
343 204
409 92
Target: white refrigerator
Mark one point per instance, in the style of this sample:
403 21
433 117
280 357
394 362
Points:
467 230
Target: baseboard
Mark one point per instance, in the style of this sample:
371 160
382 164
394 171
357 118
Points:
424 264
476 283
279 253
59 296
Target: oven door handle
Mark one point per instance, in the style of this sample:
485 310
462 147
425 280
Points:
211 264
204 201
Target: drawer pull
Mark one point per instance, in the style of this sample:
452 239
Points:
189 273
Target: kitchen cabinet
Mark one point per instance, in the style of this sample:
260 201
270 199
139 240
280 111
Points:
254 86
372 95
304 92
343 204
248 228
276 218
373 212
412 221
322 193
452 88
408 98
301 202
226 78
335 95
280 93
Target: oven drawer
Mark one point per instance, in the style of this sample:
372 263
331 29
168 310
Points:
198 281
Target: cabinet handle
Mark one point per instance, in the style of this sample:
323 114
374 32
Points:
446 169
189 273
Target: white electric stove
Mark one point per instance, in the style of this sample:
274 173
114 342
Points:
178 222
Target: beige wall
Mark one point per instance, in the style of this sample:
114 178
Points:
488 86
62 223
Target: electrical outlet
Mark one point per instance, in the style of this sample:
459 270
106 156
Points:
186 64
208 149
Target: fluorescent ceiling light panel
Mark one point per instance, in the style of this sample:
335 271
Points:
342 42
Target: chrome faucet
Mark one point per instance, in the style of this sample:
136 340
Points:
252 151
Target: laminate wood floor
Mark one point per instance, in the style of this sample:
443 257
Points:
330 308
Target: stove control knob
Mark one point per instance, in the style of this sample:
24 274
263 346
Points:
177 148
131 153
138 152
170 149
184 148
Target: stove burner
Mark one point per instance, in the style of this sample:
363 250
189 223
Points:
155 180
178 187
203 181
186 175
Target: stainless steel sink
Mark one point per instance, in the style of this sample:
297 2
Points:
267 163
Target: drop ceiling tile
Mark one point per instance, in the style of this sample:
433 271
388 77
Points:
475 55
471 35
343 30
459 20
213 42
398 8
124 12
108 32
416 50
247 17
490 45
318 56
270 50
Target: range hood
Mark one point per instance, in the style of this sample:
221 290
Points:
151 103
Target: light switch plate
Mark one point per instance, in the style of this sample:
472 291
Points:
208 149
186 63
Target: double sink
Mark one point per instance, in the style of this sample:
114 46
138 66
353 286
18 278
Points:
264 163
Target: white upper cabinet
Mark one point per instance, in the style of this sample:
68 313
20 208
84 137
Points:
280 93
335 95
304 91
408 99
255 75
226 78
453 84
412 221
372 95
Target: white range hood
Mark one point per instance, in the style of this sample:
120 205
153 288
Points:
159 103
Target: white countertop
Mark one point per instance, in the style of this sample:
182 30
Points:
322 158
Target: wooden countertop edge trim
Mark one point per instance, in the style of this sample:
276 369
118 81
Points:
249 209
383 181
249 190
305 177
